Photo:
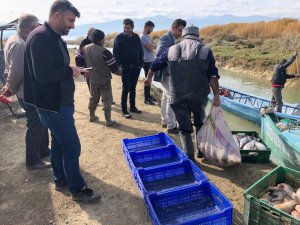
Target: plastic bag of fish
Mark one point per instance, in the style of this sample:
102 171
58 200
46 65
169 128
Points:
248 142
215 140
284 197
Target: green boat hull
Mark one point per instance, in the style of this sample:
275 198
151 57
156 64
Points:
285 146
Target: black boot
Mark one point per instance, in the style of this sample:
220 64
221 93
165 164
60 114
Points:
187 144
108 121
93 117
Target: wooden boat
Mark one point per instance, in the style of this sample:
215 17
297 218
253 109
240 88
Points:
247 106
284 145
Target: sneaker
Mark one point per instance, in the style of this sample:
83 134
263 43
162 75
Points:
200 155
149 102
126 115
110 123
86 195
173 131
135 110
39 165
61 185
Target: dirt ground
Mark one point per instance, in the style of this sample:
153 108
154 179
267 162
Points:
29 198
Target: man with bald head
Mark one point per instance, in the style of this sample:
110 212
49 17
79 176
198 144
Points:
37 134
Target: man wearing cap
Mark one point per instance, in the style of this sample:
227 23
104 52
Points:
192 71
279 79
103 63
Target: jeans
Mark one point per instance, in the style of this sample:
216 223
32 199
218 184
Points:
37 139
146 67
65 147
167 114
130 76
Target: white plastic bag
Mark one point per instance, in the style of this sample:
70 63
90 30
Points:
215 140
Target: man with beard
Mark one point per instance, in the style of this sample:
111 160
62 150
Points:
148 48
49 85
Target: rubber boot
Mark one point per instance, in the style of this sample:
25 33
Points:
187 144
199 153
108 121
93 117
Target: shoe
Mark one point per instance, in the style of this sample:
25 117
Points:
173 131
86 195
200 155
39 165
135 110
110 123
61 186
126 115
149 102
152 99
164 125
46 153
93 118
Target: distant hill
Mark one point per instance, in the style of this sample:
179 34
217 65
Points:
163 23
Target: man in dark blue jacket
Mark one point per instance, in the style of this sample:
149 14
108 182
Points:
49 86
129 55
279 79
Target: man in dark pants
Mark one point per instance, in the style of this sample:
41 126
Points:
128 53
192 71
49 85
148 48
36 139
279 79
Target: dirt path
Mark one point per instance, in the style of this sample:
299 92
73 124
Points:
29 198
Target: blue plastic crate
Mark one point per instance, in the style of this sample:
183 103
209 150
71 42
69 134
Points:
193 205
169 177
146 143
155 157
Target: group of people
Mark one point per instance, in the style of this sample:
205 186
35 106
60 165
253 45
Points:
38 71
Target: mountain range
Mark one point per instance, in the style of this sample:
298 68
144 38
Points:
161 23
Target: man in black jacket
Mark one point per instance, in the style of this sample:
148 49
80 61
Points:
279 79
49 85
129 55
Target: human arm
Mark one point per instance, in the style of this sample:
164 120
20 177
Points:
141 52
147 43
163 44
290 61
15 72
213 77
116 50
158 64
111 62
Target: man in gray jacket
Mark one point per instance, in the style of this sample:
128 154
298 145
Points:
37 135
192 70
166 41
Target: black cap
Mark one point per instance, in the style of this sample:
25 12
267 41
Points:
97 35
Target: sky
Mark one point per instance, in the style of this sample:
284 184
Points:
94 11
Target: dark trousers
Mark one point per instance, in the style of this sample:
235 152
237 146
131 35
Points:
277 98
146 68
65 147
183 110
36 139
101 90
130 76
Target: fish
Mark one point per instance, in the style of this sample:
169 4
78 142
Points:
287 188
250 145
287 207
236 139
295 214
244 141
260 146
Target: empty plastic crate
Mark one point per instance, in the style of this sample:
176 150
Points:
193 205
148 142
169 177
154 157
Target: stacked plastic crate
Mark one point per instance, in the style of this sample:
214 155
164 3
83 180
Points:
174 189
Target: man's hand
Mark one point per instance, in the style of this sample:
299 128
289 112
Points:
216 100
295 54
147 81
77 71
5 91
119 72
